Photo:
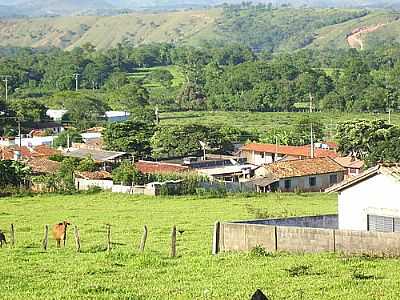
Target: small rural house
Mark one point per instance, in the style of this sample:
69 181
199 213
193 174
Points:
306 175
260 154
56 114
116 116
220 167
151 167
42 128
108 159
352 165
87 180
370 201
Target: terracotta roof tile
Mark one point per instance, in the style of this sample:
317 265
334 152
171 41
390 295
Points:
349 162
45 150
303 151
303 167
41 165
159 167
97 175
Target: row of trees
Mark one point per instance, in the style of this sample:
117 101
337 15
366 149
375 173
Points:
212 78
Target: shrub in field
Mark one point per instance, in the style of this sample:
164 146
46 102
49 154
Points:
299 270
259 251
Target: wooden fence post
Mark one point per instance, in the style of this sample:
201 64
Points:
108 237
173 242
77 239
12 239
144 239
216 238
46 237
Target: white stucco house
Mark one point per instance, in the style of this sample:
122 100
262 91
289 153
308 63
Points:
116 116
370 201
260 154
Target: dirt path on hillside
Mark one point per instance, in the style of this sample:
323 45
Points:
354 39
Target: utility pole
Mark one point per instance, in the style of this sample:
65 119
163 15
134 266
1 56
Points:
19 133
76 81
312 131
5 79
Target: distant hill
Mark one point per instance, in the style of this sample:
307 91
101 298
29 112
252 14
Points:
34 8
283 29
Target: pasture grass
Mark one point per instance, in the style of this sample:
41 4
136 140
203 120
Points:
27 272
264 121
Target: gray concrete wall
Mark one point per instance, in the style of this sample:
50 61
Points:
246 236
324 221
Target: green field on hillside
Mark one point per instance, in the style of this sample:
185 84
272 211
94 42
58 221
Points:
26 272
264 121
145 74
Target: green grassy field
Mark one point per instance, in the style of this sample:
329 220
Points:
27 272
262 121
143 73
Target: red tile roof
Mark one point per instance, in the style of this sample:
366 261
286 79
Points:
159 167
303 151
45 150
97 175
41 165
350 162
7 153
303 167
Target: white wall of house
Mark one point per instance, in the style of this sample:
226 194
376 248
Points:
378 195
302 183
260 158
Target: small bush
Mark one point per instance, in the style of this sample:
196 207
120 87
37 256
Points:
361 275
259 251
93 190
299 270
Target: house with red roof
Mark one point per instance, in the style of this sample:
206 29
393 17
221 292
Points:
305 175
151 167
260 154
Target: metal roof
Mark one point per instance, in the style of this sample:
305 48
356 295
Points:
97 155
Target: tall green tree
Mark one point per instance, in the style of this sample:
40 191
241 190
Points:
132 136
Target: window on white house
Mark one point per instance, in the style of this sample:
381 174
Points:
312 181
383 223
333 179
288 184
262 155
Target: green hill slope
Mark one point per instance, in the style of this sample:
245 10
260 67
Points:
284 29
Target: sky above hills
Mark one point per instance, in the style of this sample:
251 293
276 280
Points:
43 7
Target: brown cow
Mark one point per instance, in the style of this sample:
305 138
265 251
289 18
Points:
60 232
2 239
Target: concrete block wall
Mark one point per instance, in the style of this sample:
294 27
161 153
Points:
244 237
324 221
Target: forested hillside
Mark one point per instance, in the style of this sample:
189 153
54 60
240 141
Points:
261 27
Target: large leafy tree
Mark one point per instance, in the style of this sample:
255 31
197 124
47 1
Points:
374 141
181 140
132 136
28 109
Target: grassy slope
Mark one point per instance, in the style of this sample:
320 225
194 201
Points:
106 32
191 27
28 273
335 36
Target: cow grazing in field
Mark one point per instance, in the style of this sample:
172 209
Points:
2 239
60 233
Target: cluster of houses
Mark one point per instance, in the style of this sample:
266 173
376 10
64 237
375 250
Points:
367 198
258 167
